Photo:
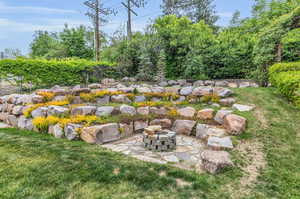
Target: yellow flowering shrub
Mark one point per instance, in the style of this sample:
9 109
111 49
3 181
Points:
210 98
27 112
87 97
70 98
41 124
48 96
173 112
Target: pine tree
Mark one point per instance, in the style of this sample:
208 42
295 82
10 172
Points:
146 67
161 66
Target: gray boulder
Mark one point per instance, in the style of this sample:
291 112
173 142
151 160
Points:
203 131
217 143
140 98
125 109
104 110
72 131
184 126
57 110
220 116
84 110
39 112
186 90
120 99
25 123
215 161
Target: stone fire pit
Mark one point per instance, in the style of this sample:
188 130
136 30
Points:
156 139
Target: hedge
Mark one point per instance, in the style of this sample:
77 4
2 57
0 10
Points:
41 72
286 77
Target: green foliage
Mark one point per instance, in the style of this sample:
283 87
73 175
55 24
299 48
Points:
291 45
286 77
50 72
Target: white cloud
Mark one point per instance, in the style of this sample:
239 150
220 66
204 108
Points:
32 9
225 14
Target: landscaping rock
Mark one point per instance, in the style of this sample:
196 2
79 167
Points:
163 84
139 126
186 90
140 98
3 117
104 110
174 90
209 83
186 112
164 123
220 116
222 92
203 131
25 123
158 111
108 81
143 110
103 100
101 134
215 161
12 120
18 110
172 82
125 109
36 99
59 98
84 110
217 143
77 91
206 114
144 90
243 108
158 89
126 130
39 112
221 83
60 92
233 85
120 99
244 84
235 124
198 83
72 131
184 126
182 82
227 101
57 110
202 91
95 86
58 131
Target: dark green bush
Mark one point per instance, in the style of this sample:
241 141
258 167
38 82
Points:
286 77
51 72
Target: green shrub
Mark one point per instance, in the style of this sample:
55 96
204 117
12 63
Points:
286 77
51 72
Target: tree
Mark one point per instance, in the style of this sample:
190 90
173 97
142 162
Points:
161 67
236 19
12 53
43 43
196 10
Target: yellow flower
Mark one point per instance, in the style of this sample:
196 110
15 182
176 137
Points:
48 96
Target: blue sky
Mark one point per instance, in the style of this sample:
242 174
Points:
20 18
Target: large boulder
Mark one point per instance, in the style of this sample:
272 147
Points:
198 83
58 131
186 112
158 111
101 134
184 126
174 90
108 81
104 110
203 131
12 120
202 91
218 143
143 110
57 110
18 110
205 114
140 98
94 86
215 161
125 109
220 116
222 92
39 112
164 123
242 108
120 99
140 125
144 90
84 110
36 99
227 101
221 83
3 117
186 91
72 131
235 124
103 100
77 91
25 123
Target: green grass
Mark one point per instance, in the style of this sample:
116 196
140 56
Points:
36 165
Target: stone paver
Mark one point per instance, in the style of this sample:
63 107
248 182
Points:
186 155
3 125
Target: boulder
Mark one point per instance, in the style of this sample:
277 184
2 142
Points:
84 110
104 110
24 99
12 120
125 109
203 131
59 98
233 85
221 83
174 90
164 123
201 91
103 100
186 112
107 81
220 116
140 98
198 83
25 123
172 82
184 126
140 125
244 84
158 90
58 131
218 143
120 99
205 114
243 108
227 101
60 92
72 131
209 83
126 130
182 82
36 99
235 124
77 91
144 90
40 112
18 110
158 111
3 117
215 161
77 100
101 134
57 110
186 91
163 84
94 86
222 92
143 110
126 89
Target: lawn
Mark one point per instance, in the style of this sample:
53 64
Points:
39 166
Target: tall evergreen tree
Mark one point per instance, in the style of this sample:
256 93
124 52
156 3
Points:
161 67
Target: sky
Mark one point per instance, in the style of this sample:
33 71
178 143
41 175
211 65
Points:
19 19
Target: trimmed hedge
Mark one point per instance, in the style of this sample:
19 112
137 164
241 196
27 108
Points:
51 72
286 77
